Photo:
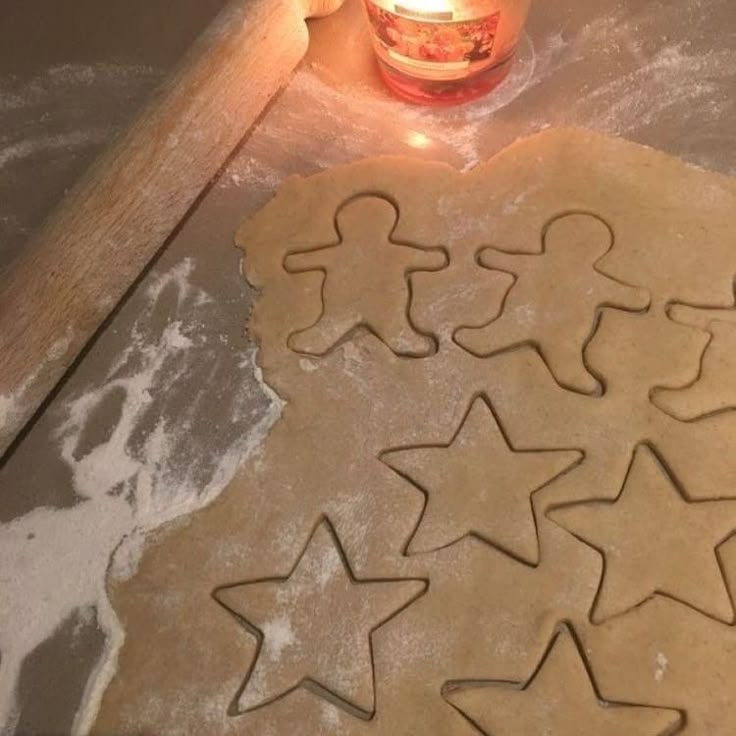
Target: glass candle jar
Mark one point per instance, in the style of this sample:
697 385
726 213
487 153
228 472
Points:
445 51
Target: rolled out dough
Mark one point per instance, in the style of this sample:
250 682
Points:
502 493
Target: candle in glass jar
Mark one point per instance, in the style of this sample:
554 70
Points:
445 51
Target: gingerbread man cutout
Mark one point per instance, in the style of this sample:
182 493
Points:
379 301
555 299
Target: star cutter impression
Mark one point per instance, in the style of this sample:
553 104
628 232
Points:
314 627
642 560
479 484
559 699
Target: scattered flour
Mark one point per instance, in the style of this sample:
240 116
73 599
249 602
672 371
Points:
330 716
525 314
280 636
75 88
251 172
46 144
661 663
617 74
52 125
71 79
55 561
308 366
127 487
330 564
512 207
674 80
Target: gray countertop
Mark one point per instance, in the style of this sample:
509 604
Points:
162 408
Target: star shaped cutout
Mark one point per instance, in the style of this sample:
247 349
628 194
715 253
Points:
560 699
366 281
555 299
655 540
479 484
314 627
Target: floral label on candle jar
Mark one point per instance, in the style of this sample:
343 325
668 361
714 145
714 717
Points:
436 41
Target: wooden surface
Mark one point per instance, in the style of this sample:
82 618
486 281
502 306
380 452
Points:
114 221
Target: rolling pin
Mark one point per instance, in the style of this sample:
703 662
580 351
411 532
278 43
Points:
68 279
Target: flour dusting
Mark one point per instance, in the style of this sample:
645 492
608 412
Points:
251 172
142 474
73 79
280 636
51 127
617 74
330 715
308 366
48 144
661 663
675 80
76 89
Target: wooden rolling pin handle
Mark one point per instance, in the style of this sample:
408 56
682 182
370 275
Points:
65 283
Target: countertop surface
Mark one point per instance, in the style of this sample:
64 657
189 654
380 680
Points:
168 401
